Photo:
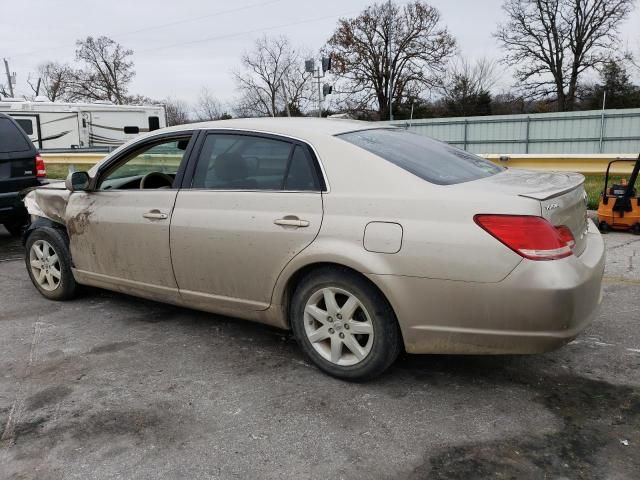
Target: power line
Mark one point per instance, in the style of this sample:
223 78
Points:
246 32
192 19
257 30
157 27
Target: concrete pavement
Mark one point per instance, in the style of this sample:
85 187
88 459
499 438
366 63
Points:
109 386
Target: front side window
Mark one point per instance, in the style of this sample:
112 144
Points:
158 161
245 162
433 161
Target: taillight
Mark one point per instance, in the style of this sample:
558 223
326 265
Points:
41 169
566 236
531 237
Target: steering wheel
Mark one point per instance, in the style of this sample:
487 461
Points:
162 180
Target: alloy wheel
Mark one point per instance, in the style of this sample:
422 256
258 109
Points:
45 265
338 326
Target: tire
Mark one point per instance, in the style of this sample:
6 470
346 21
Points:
41 246
14 229
16 225
636 229
327 338
604 227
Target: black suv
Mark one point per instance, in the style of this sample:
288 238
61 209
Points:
20 167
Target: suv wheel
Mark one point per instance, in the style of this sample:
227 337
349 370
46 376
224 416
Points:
49 264
344 325
15 227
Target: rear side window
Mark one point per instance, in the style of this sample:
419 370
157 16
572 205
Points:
12 139
302 174
25 125
131 130
245 162
433 161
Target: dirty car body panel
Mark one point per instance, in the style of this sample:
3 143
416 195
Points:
232 239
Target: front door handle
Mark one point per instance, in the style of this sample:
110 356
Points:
291 221
155 215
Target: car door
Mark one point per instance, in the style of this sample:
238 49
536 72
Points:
119 231
251 204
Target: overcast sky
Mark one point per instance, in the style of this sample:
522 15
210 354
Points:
159 32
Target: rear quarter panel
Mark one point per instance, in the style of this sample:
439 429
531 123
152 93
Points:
440 239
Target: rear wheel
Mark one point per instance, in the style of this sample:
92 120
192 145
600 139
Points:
636 229
344 325
48 262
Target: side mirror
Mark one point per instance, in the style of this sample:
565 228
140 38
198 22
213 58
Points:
77 181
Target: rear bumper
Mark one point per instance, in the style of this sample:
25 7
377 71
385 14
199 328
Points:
538 307
11 206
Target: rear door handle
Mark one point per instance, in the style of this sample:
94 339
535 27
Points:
291 222
155 215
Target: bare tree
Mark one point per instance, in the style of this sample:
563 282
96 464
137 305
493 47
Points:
138 99
271 72
552 42
54 80
177 111
208 107
466 87
478 76
107 70
390 51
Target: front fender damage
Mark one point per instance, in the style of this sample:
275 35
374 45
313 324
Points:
48 202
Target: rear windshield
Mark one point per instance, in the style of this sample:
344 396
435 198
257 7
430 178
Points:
11 138
433 161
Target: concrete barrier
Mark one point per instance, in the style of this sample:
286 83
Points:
586 164
595 164
72 158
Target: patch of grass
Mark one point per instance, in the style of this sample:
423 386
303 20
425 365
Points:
594 184
58 172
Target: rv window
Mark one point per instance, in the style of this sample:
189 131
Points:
26 125
129 130
154 123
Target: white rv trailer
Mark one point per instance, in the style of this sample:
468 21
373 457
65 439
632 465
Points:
62 125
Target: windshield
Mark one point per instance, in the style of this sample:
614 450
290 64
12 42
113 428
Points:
433 161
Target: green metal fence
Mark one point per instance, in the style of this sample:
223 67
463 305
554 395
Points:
594 131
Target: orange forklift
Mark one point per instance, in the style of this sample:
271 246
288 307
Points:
619 207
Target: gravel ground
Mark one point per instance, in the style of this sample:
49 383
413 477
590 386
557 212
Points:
110 386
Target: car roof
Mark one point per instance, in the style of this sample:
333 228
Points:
293 126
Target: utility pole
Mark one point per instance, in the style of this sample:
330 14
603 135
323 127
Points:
319 78
286 99
389 57
602 119
318 74
9 81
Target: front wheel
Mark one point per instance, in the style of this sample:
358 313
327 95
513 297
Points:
344 325
48 262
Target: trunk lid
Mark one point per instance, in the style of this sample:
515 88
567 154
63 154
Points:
563 200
